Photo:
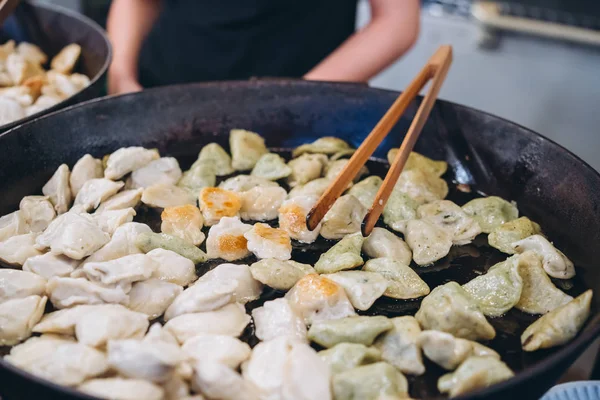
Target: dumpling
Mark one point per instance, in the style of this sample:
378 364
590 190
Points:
128 159
110 322
306 168
223 349
198 177
59 360
49 265
153 296
64 62
230 320
276 318
365 190
360 329
421 186
510 232
18 316
214 154
370 382
335 167
398 210
37 212
17 249
342 154
558 326
313 188
150 241
165 195
267 242
243 183
247 288
11 225
226 239
399 345
158 333
218 381
346 356
10 110
451 218
185 222
271 166
202 297
324 145
345 254
343 218
122 200
58 189
362 287
95 191
173 267
278 274
402 281
265 368
63 322
121 244
383 243
316 298
292 218
32 53
216 203
68 292
428 242
246 149
15 284
303 365
555 263
164 170
85 169
110 220
474 373
449 308
152 361
122 389
419 161
261 203
449 352
539 295
499 289
491 212
121 272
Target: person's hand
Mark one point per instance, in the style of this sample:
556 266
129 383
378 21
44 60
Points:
121 84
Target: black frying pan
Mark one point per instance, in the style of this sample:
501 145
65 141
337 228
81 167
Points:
550 185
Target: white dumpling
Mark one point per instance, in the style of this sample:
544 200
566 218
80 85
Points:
491 212
217 203
153 296
317 298
371 382
226 239
247 288
163 170
202 297
18 249
265 368
110 220
158 333
185 222
306 168
278 274
152 361
223 349
16 284
58 189
246 149
427 242
114 321
68 292
383 243
304 365
49 265
399 345
345 356
18 316
510 232
243 183
449 308
475 373
37 211
125 199
276 318
292 218
230 320
267 242
173 267
343 218
58 360
402 281
166 195
558 326
271 166
313 188
10 110
11 225
74 235
421 186
218 381
63 322
345 254
261 203
128 159
555 263
121 272
95 191
121 244
451 218
122 389
214 154
362 287
86 168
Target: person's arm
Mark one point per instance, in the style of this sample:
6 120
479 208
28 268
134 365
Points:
128 24
393 29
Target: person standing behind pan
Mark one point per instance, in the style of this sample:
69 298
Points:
161 42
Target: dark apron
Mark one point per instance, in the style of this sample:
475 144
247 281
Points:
204 40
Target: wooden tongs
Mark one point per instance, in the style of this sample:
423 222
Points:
435 70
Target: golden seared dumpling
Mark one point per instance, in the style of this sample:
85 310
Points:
448 351
362 287
449 308
398 210
128 159
399 345
262 203
370 382
65 60
313 188
510 232
185 222
324 145
246 149
277 318
163 195
383 243
226 239
343 255
86 168
475 373
451 218
555 263
402 281
214 154
19 316
421 186
216 203
31 53
343 218
558 326
164 170
366 190
58 189
491 212
306 168
279 274
148 241
345 356
292 218
271 166
418 161
37 212
267 242
428 242
122 389
359 329
317 298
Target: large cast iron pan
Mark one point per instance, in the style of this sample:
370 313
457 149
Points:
52 28
550 184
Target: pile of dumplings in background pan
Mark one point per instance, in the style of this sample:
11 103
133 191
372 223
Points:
108 277
27 88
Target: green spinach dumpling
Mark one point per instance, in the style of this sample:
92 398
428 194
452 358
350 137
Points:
278 274
370 382
491 212
451 218
361 330
198 177
510 232
398 210
366 190
399 345
421 186
246 148
150 241
333 169
272 167
345 254
428 242
313 188
213 154
475 373
306 168
325 145
362 287
419 161
403 282
383 243
345 356
343 218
